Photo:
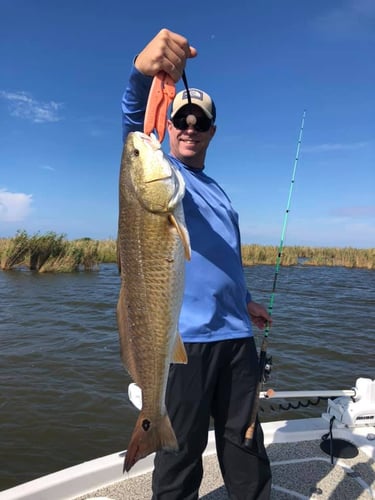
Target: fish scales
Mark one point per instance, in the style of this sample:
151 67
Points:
151 292
152 246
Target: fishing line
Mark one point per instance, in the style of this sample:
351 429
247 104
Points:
184 79
263 350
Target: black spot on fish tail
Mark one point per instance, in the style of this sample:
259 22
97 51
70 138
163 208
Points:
146 424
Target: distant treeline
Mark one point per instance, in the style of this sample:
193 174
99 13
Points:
51 252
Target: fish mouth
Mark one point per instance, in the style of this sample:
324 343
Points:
150 140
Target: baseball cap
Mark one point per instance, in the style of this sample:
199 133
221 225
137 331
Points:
199 98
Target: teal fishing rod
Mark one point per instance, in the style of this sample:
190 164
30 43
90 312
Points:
263 360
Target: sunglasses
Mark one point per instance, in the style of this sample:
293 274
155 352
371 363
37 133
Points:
202 124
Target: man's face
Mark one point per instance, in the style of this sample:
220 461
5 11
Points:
190 145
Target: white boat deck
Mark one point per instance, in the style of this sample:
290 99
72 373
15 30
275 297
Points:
300 470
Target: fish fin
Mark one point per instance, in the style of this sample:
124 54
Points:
179 353
183 234
149 436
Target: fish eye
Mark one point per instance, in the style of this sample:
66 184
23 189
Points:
136 152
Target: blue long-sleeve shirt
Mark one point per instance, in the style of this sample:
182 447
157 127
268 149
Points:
215 298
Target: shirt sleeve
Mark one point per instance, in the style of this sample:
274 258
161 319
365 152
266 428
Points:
134 102
248 297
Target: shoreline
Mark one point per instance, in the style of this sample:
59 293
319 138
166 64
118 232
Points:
54 253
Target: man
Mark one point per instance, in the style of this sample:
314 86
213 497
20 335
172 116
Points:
221 376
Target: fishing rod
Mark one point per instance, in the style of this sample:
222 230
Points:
263 360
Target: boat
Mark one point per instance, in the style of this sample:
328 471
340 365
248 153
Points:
327 457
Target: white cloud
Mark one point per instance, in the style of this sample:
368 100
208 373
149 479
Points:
354 212
23 105
353 19
14 207
323 148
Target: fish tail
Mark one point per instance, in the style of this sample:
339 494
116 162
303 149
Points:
149 436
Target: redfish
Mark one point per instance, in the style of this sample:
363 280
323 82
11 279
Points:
152 246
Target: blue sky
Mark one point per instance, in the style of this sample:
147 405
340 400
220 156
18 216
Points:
63 68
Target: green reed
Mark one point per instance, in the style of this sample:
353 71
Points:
107 251
310 256
13 250
51 252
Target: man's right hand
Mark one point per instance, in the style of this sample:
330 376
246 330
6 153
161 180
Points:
168 52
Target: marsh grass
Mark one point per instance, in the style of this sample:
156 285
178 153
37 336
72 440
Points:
107 251
49 253
44 248
54 253
14 250
309 256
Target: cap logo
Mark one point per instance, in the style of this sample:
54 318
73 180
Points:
198 98
194 94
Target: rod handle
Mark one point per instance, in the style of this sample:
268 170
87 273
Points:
249 434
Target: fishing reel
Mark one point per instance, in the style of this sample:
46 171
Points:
267 369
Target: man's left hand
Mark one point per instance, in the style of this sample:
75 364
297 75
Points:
259 315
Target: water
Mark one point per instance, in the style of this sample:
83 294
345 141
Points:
62 385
